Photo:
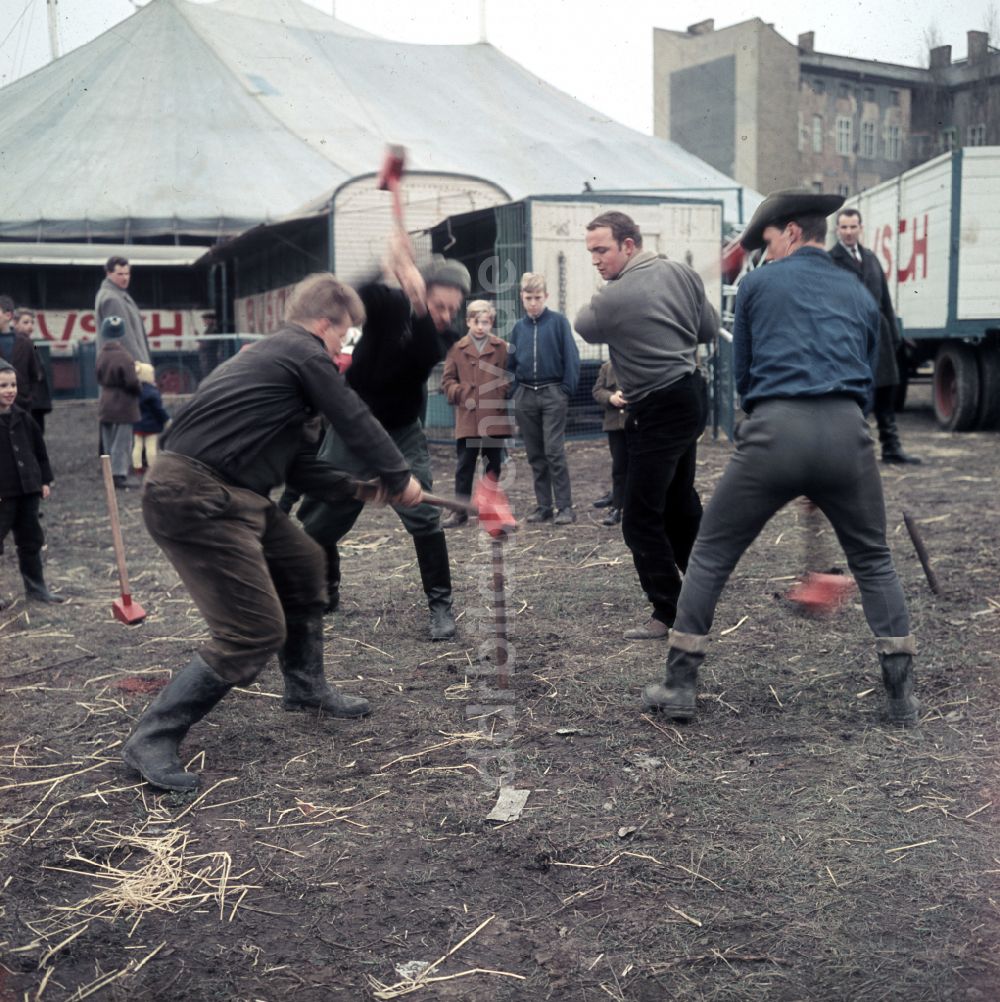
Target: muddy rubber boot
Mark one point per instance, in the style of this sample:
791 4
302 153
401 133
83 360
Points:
152 749
897 676
676 696
306 687
35 587
435 573
332 579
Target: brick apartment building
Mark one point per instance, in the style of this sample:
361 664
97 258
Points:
776 115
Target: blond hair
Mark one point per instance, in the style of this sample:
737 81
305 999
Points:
533 281
478 306
324 295
145 372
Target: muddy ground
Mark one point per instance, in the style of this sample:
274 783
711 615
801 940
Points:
787 845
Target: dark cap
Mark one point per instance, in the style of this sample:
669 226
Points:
112 327
5 365
780 206
442 271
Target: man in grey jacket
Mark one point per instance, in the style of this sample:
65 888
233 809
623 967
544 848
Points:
653 314
113 300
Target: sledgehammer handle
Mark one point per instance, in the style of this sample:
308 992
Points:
116 529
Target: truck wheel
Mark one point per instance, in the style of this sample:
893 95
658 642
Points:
988 417
956 387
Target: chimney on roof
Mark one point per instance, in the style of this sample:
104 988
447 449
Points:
940 57
978 47
807 41
705 27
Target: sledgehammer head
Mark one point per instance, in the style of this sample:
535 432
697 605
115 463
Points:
495 515
392 168
126 611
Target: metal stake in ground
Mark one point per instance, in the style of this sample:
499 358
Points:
497 519
124 608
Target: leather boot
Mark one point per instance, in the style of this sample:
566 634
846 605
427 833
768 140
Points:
435 573
897 675
35 587
332 579
301 660
676 695
152 749
888 435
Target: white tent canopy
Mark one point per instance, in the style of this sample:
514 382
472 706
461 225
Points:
203 119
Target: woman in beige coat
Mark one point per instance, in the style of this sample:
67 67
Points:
476 381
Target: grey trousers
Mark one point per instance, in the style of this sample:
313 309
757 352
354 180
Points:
541 418
817 447
116 441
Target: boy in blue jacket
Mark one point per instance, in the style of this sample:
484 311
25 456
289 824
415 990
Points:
153 418
545 363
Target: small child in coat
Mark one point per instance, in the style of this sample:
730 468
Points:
475 381
608 394
25 476
153 419
118 404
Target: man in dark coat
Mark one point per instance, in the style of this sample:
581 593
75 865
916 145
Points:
405 335
254 575
848 253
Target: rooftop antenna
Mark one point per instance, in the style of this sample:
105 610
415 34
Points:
52 12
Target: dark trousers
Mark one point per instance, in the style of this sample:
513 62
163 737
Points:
467 452
246 565
820 448
662 510
329 521
541 417
19 514
618 444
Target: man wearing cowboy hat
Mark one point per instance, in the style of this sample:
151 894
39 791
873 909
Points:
805 340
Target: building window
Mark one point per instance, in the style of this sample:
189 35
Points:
818 187
975 135
817 133
869 93
894 98
843 91
844 189
949 139
819 87
868 140
845 135
893 143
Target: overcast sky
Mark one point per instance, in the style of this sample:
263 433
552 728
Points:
599 52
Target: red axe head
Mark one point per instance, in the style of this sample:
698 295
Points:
495 515
391 172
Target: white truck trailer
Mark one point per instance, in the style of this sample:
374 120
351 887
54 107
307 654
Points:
936 232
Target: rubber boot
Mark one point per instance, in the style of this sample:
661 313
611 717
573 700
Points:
332 579
152 749
676 696
35 587
306 687
435 573
897 675
888 436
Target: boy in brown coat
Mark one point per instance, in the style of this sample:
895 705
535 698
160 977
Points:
118 407
475 381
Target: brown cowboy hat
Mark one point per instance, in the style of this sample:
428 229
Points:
780 206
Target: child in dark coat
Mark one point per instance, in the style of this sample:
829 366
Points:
153 419
25 476
118 406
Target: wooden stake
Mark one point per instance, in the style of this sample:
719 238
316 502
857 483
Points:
925 560
500 615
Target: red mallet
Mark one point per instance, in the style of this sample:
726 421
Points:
389 177
821 594
124 609
491 502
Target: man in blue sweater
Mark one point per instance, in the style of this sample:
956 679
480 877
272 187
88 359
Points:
805 342
545 363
